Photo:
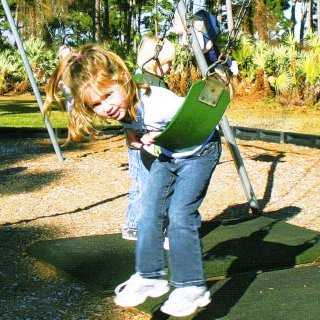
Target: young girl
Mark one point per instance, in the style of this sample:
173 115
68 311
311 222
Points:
101 84
155 64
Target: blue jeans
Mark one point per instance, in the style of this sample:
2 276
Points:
138 174
185 182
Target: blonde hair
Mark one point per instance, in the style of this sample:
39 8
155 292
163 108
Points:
92 67
148 50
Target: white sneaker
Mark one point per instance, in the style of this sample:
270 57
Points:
183 302
130 234
166 243
137 289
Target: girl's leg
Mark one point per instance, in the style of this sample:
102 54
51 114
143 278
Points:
147 282
150 258
185 257
138 174
193 178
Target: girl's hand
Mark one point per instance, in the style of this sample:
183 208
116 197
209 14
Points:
149 137
133 139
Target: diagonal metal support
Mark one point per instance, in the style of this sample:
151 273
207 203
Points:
31 78
224 123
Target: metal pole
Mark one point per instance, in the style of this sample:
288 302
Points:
224 123
31 78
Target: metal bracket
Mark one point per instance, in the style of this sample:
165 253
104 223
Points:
212 92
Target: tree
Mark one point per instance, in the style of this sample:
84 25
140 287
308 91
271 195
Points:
260 20
268 18
309 15
318 16
304 11
229 15
293 15
96 21
106 22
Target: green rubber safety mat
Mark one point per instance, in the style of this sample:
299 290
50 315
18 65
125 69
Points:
229 248
289 294
195 120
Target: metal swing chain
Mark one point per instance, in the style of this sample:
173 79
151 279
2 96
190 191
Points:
55 9
190 54
45 20
235 31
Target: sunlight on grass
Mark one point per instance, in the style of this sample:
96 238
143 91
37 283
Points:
33 120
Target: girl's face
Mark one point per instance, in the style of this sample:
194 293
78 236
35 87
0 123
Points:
109 103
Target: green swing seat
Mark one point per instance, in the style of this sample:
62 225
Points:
150 79
203 108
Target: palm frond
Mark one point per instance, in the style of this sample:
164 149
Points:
282 83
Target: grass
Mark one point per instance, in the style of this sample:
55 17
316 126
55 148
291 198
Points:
24 112
256 112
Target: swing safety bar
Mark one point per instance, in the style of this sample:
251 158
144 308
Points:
31 78
224 123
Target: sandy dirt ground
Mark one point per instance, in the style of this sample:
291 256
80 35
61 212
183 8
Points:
87 194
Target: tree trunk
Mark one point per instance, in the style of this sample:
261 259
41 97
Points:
96 21
139 16
293 16
248 21
304 8
129 21
135 25
229 15
260 19
32 19
309 15
106 24
318 17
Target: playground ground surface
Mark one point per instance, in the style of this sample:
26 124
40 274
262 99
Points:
42 199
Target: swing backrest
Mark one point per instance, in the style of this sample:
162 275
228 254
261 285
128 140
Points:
150 79
203 108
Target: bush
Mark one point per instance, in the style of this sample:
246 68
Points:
13 75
